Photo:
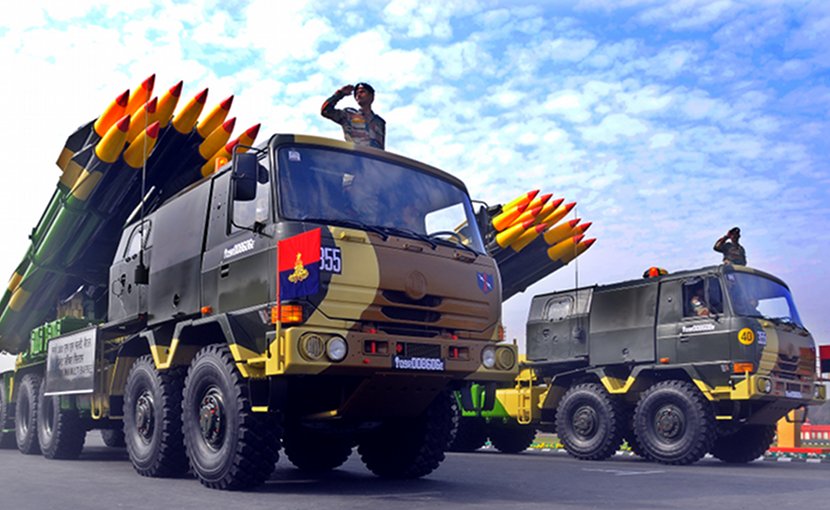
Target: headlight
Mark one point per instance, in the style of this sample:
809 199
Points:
817 393
488 357
764 385
336 348
505 358
312 347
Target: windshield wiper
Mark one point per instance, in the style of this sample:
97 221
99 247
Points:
456 242
350 224
409 233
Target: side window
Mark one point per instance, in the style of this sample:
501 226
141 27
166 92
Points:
715 295
134 244
558 308
258 210
694 299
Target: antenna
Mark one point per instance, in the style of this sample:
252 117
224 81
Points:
142 273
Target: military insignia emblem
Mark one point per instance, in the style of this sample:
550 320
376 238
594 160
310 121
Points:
485 282
300 272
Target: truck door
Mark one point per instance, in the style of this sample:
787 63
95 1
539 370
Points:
702 332
239 266
127 298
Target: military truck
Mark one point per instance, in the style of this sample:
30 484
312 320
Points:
312 294
695 362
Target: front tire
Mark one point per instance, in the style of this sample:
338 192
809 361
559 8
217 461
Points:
60 432
153 419
314 451
674 424
25 417
229 446
512 438
745 445
471 435
411 447
589 422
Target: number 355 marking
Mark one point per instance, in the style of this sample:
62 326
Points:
330 260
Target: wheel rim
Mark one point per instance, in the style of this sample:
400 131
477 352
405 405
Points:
585 422
212 423
145 418
669 423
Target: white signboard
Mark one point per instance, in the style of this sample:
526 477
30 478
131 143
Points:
70 363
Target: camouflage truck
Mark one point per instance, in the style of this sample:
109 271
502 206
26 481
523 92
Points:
311 295
685 364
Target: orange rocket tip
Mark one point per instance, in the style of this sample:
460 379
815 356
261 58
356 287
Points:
253 131
201 97
229 124
214 118
142 94
124 123
587 243
578 238
226 104
153 129
176 90
113 112
585 226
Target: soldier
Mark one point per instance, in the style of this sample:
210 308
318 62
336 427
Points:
362 127
733 252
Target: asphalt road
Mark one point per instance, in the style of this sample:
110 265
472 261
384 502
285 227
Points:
104 479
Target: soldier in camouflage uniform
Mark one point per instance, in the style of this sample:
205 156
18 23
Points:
362 127
733 252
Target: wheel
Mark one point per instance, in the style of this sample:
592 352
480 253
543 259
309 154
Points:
511 438
153 419
674 423
60 432
745 445
589 422
229 446
411 447
25 415
114 438
6 420
471 435
315 451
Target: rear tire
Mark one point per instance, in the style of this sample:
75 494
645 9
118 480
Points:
315 451
674 423
229 446
745 445
589 422
153 419
471 435
7 440
60 432
512 438
411 447
113 438
25 417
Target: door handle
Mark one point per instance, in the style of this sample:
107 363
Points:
224 270
684 339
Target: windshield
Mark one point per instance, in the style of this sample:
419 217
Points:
338 187
757 296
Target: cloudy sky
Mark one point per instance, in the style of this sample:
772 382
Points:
667 121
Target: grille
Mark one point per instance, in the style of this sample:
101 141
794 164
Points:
394 296
412 350
410 314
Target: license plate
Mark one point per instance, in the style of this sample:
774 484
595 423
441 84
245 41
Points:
421 364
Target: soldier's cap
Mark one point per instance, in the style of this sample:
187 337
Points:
365 86
735 230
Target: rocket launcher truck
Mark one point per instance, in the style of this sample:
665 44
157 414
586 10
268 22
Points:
206 303
678 365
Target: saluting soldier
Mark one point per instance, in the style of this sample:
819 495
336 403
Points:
733 252
363 127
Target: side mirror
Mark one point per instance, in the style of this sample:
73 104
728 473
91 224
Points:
245 173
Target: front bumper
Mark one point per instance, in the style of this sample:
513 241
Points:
758 387
370 353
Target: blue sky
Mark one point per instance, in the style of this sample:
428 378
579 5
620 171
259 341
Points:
667 121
